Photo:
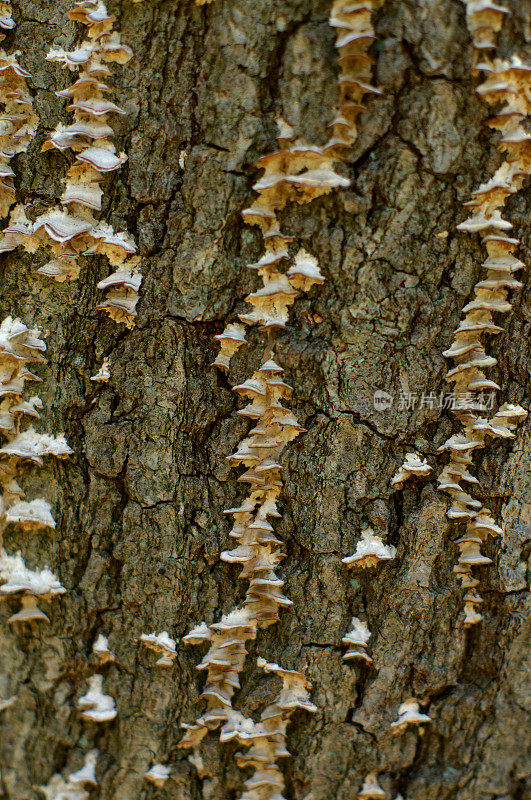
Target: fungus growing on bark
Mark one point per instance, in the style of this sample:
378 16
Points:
75 229
20 346
297 172
95 705
86 776
74 787
371 789
265 741
223 663
413 467
7 702
357 639
158 774
507 86
104 372
370 550
484 20
100 648
18 121
230 340
162 644
59 789
409 713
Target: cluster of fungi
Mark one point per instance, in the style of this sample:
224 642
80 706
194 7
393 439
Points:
72 230
297 172
20 347
507 86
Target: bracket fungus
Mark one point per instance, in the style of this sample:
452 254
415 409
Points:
413 467
371 789
222 663
300 172
59 789
95 705
158 774
163 644
100 648
18 121
357 639
484 20
507 86
74 230
104 372
297 172
7 702
370 550
409 713
20 346
75 786
265 741
86 776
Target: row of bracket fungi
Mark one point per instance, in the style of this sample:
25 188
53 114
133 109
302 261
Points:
20 347
263 742
72 229
18 122
508 87
67 235
297 172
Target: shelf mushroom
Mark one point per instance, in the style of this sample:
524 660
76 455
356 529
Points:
409 714
371 789
295 172
73 229
413 467
100 648
506 84
357 639
163 644
17 579
230 341
104 372
370 550
20 346
472 615
87 774
7 702
158 774
58 789
95 705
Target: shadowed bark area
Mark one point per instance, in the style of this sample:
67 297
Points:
139 505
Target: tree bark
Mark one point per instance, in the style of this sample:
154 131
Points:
139 506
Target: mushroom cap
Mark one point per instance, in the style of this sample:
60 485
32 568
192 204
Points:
371 790
200 633
160 642
35 514
158 774
369 551
409 714
359 633
6 702
29 612
100 648
87 773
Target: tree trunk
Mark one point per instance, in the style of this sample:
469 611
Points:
139 506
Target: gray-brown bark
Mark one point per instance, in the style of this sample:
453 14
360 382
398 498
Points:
139 507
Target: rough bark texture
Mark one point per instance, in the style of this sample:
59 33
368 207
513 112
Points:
139 507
